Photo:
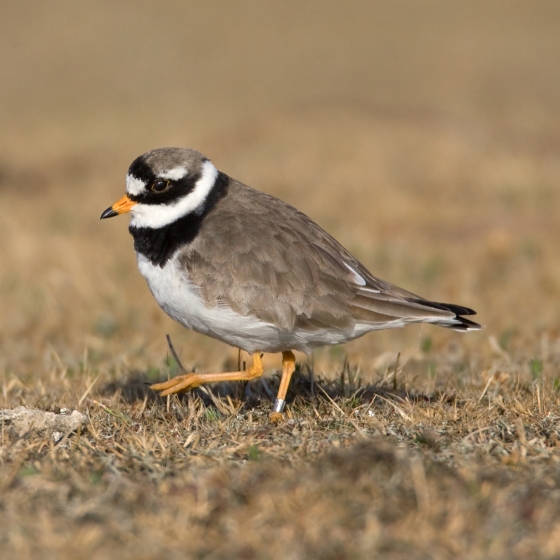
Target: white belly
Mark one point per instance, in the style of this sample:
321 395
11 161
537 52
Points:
181 301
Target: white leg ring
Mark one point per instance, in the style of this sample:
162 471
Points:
279 405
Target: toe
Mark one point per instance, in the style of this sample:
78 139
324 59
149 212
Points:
187 383
165 385
276 417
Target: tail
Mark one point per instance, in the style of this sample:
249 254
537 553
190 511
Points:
457 323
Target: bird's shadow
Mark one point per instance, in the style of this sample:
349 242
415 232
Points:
305 388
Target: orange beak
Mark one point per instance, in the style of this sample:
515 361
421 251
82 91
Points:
122 206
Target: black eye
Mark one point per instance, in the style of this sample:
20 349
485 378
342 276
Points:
159 186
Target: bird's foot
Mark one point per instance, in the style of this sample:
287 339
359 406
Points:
277 414
178 384
276 417
189 381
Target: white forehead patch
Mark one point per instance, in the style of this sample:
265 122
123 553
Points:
134 186
174 174
159 215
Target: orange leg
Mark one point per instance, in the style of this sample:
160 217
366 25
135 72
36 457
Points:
191 380
288 367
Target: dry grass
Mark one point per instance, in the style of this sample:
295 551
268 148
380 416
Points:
426 140
355 471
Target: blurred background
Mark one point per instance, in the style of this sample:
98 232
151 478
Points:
425 136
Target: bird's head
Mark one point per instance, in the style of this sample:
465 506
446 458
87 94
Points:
164 185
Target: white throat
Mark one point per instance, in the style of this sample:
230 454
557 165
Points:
158 215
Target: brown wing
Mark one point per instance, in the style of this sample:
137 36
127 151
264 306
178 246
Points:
262 257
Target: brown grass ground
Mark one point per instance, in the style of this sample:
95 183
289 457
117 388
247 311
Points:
425 137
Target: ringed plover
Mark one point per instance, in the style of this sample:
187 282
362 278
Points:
242 266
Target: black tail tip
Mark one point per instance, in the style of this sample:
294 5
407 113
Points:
465 325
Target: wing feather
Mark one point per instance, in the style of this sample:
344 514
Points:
262 257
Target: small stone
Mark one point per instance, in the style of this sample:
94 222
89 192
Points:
23 422
57 436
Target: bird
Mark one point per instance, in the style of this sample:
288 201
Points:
246 268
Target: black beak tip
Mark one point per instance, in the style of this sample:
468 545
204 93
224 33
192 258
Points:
109 213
